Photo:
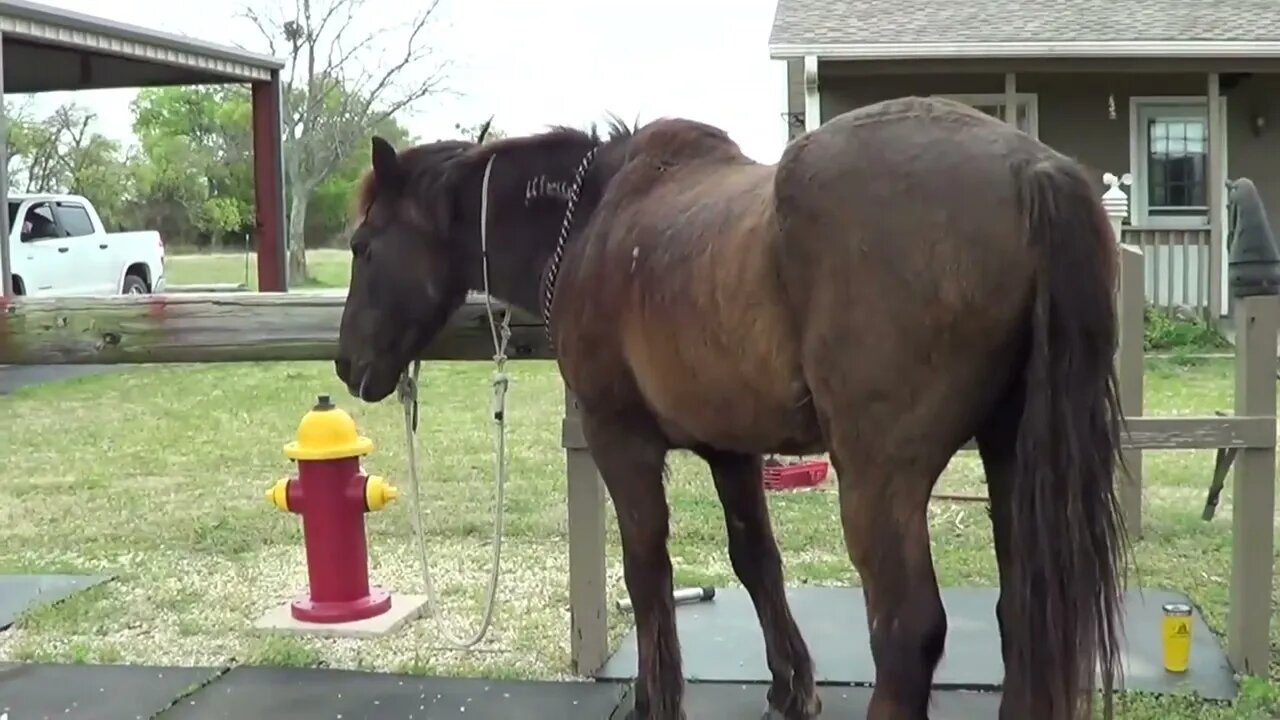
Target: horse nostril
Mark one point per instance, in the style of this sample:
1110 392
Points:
343 368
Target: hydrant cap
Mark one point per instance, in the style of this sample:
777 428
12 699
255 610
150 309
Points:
327 433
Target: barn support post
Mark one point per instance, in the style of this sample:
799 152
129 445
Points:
588 614
268 185
6 262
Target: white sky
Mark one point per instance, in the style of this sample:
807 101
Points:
532 63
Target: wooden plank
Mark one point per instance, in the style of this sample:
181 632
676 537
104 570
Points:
206 288
1200 432
1253 492
1194 432
221 327
588 612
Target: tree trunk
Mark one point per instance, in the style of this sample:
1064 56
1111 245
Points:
297 237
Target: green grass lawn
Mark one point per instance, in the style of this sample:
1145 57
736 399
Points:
327 268
157 475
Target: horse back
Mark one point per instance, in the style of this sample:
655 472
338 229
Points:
685 244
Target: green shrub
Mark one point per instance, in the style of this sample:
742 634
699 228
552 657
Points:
1179 331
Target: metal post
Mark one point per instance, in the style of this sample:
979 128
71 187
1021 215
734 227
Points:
588 615
268 181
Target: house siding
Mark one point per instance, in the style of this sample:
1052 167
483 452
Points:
1073 114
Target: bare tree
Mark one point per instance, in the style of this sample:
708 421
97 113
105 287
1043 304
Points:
342 80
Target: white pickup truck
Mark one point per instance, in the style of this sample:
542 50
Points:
58 246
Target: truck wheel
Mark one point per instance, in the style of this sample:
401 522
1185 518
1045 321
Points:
134 285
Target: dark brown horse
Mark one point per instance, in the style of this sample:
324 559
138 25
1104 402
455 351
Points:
910 275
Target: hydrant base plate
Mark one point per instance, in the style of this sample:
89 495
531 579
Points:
375 603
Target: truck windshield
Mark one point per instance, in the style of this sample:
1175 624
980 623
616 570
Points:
13 212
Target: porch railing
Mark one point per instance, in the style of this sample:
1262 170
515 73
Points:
1176 265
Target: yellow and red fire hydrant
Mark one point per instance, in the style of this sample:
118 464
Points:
332 493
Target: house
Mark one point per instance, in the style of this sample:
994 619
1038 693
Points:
1179 94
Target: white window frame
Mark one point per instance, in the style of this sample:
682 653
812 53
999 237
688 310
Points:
1031 101
1143 107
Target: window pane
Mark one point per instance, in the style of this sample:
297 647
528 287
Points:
75 219
1176 155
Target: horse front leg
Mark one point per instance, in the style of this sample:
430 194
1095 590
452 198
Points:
756 561
630 453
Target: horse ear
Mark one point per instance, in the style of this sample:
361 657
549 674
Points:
386 165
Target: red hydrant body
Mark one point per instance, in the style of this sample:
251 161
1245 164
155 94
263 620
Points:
332 493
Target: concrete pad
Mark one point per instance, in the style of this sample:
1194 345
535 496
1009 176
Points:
404 608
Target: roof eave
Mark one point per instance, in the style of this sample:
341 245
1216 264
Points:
43 22
1172 49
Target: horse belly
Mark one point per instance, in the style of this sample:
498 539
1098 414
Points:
732 398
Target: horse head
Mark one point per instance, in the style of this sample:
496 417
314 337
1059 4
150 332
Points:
441 219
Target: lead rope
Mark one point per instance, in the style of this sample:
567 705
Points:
408 394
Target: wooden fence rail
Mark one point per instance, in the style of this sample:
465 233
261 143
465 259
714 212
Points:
220 327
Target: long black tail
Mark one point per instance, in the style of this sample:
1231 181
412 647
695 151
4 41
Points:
1068 534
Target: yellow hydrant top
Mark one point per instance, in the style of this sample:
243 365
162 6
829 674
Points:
327 433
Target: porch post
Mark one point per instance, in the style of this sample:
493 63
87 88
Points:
1011 98
1217 187
812 97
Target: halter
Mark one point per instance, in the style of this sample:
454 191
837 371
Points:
553 268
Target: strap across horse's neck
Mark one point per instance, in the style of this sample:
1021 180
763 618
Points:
553 270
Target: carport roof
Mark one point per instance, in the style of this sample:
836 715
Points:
48 48
912 29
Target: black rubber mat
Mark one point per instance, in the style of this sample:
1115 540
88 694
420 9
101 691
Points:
737 701
268 693
20 593
721 642
93 692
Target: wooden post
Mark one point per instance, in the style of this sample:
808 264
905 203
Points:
1129 370
1253 492
588 614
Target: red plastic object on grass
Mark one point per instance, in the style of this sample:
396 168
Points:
793 476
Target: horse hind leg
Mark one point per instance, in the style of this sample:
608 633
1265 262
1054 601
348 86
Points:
630 454
996 446
884 512
756 561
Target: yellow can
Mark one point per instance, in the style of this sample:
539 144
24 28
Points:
1177 637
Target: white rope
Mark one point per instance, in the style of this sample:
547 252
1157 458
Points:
408 392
